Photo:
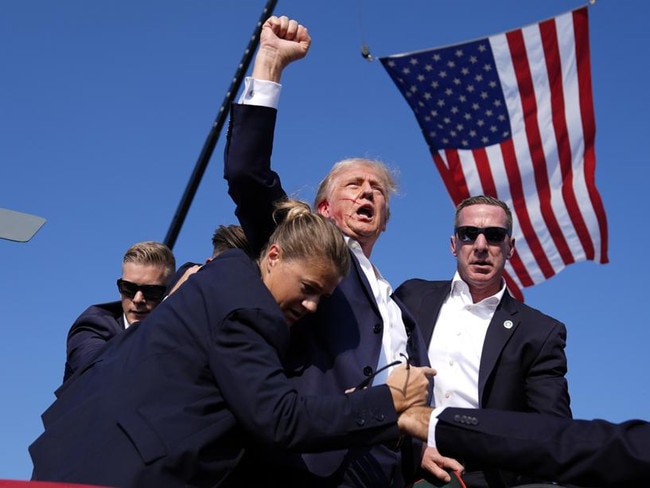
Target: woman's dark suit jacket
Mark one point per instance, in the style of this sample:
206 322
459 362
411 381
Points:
169 402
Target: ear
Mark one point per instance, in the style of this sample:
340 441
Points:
452 245
511 251
274 255
324 208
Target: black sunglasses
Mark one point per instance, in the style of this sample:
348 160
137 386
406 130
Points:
469 233
150 292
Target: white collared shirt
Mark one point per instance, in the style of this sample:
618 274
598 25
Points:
264 93
457 344
127 324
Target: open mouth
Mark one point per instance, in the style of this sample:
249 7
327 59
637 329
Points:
366 211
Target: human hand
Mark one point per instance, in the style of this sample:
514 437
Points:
409 386
438 465
188 272
282 41
415 422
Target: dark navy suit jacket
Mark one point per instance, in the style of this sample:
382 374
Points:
338 346
582 452
523 363
169 402
90 333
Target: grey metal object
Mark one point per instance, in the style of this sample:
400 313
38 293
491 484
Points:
18 226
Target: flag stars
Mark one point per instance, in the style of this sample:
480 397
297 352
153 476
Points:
455 93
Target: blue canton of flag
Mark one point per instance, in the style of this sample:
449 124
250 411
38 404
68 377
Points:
459 98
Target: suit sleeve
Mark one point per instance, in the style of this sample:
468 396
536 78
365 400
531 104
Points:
546 385
87 336
252 185
254 385
587 453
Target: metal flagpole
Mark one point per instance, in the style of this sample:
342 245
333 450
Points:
213 136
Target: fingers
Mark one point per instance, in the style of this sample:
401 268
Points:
428 372
436 471
439 465
286 28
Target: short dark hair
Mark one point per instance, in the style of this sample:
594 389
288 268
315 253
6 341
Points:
484 200
229 237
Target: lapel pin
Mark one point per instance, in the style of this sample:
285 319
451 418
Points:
508 324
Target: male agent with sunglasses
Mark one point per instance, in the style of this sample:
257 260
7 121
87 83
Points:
146 271
489 349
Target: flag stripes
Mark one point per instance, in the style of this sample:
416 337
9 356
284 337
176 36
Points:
512 116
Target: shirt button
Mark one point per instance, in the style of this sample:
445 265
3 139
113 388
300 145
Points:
451 362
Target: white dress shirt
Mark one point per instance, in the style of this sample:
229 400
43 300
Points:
457 344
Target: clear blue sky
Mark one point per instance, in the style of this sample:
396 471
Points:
104 107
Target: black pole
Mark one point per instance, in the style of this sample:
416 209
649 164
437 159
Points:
213 136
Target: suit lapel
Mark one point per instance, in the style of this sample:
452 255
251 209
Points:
502 326
431 304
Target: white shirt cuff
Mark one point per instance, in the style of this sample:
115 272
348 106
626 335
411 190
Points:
433 421
264 93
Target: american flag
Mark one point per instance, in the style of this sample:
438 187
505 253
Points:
511 116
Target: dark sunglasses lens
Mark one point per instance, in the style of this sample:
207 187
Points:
495 234
127 288
467 234
153 292
150 292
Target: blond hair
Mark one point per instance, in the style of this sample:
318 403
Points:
153 254
302 234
